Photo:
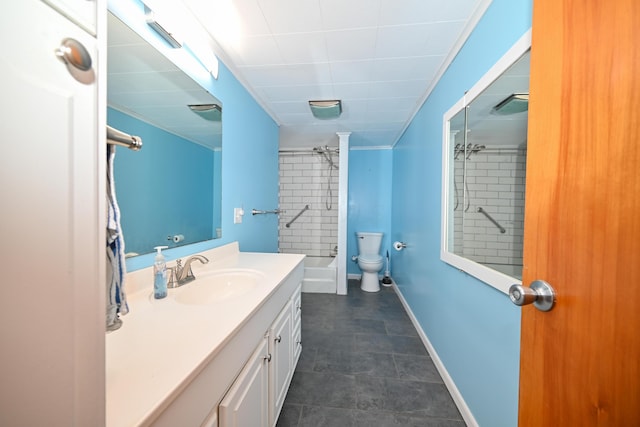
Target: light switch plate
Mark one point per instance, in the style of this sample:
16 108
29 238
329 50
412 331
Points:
237 215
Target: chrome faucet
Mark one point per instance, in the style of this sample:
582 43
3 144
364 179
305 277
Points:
179 275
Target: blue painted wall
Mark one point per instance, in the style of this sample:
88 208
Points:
369 202
249 151
474 328
164 189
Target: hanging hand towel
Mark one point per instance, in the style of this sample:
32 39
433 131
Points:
116 268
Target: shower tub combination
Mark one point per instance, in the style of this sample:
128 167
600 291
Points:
320 274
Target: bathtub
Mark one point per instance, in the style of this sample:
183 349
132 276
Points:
320 274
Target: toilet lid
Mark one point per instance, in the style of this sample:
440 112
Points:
370 258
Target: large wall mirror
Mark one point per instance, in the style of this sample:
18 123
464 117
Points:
484 164
169 191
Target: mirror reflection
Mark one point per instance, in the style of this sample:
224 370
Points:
487 147
169 191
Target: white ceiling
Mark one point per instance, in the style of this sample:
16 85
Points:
380 57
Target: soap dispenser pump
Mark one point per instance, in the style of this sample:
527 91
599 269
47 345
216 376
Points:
159 274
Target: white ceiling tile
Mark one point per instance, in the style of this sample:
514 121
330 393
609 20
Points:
259 50
352 71
297 107
292 16
417 39
406 104
394 12
294 119
441 36
409 68
149 82
302 93
389 117
302 48
354 109
401 40
297 74
351 45
351 90
397 89
341 14
252 19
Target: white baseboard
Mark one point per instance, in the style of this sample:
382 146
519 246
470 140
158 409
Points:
448 381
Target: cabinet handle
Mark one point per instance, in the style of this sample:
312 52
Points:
267 357
278 338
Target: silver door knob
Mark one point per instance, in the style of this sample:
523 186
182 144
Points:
73 53
540 293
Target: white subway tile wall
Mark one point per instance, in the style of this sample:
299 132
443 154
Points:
306 179
496 182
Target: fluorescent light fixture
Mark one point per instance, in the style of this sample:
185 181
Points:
514 103
210 112
326 109
204 54
165 32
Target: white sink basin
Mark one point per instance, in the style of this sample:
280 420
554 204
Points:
218 285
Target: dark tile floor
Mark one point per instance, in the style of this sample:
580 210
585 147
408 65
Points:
363 364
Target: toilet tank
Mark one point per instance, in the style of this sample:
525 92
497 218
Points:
369 243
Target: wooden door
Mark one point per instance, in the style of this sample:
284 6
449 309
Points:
580 362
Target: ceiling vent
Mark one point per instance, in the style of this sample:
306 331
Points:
515 103
326 109
211 112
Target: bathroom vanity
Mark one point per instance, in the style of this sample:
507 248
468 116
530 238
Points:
219 351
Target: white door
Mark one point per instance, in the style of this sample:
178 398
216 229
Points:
52 317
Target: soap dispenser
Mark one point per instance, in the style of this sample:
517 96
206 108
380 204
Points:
159 274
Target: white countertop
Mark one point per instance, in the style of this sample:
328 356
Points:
163 344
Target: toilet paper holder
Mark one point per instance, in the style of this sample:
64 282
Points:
398 246
176 239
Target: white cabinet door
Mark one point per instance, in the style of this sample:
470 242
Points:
82 12
52 325
246 403
296 313
282 361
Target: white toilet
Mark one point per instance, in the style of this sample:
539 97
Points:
369 260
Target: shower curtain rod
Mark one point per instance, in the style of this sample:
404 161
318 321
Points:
306 150
116 137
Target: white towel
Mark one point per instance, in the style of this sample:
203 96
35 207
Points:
116 267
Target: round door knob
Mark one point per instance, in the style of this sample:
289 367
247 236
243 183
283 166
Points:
540 293
73 53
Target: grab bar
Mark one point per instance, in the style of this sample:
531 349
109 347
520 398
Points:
297 216
116 137
490 218
258 212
